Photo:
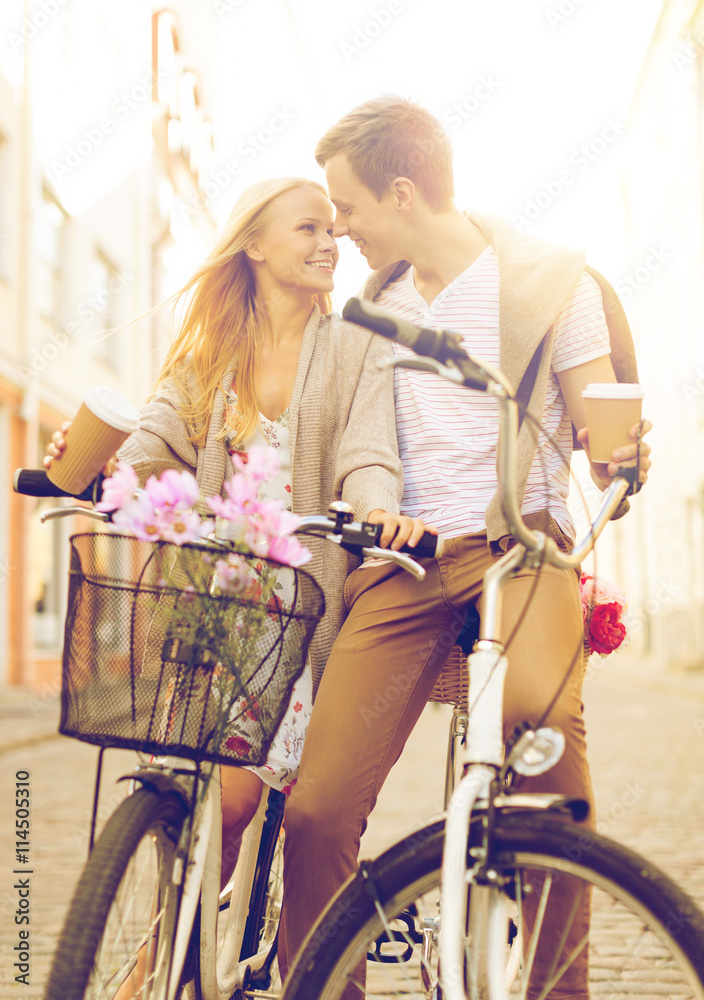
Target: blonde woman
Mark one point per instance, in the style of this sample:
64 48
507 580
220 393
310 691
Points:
258 359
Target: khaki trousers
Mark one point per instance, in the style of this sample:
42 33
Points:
381 671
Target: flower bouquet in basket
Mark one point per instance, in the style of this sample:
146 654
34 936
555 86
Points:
603 605
216 630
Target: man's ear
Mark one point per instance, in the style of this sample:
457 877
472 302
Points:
254 253
404 193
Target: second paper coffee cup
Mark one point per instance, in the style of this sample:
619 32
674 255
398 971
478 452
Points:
104 420
611 409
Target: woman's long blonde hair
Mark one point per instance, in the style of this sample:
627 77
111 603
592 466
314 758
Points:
222 327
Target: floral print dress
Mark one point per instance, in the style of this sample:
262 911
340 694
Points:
281 768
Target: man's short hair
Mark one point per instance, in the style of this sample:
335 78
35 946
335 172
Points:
391 137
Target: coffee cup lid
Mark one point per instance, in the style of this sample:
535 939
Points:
113 408
613 390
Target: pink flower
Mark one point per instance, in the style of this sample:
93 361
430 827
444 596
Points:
241 500
260 466
138 517
288 551
173 490
119 488
179 526
232 574
600 591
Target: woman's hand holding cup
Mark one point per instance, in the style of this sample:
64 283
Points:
56 446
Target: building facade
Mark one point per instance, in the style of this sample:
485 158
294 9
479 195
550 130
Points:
104 132
657 552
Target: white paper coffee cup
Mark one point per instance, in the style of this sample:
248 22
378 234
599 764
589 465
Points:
104 420
611 409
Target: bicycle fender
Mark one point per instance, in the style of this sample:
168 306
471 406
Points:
158 782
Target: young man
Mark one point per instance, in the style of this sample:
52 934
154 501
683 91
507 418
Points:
530 308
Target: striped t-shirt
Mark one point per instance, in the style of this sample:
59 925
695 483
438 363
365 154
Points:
447 434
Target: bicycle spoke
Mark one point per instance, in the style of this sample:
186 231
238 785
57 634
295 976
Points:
537 927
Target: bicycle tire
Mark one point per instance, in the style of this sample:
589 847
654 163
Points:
652 931
111 914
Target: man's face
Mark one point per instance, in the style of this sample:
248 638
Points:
373 225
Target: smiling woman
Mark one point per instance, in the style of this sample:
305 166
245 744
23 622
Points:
258 361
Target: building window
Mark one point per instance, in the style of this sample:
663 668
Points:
50 234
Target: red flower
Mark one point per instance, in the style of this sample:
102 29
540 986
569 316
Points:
274 607
297 707
287 790
606 632
252 711
287 488
239 744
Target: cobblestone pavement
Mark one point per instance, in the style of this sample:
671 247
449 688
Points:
646 748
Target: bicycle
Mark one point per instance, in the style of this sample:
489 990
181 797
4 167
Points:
456 909
151 885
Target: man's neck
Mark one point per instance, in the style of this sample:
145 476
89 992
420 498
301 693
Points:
444 245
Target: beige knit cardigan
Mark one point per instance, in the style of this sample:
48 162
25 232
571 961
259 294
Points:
342 440
536 280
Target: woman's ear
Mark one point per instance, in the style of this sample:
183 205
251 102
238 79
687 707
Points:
254 253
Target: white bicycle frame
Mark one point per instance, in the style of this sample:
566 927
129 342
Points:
483 753
221 974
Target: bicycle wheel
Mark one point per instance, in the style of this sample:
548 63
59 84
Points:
646 936
125 906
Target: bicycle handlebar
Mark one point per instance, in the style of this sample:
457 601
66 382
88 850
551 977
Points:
359 537
445 347
36 483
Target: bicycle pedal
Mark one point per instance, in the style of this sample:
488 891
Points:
386 950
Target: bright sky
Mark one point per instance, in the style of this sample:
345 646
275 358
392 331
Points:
533 93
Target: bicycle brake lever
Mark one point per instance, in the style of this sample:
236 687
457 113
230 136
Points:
448 372
405 561
54 512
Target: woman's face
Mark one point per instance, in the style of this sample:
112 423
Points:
297 250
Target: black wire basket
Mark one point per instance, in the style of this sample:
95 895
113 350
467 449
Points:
161 657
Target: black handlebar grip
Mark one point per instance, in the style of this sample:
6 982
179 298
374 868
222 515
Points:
429 547
36 483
